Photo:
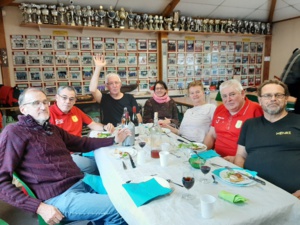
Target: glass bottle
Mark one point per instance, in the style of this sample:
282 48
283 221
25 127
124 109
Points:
129 141
155 136
123 118
135 121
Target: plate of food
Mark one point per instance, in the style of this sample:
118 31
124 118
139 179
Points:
104 134
235 177
193 146
122 152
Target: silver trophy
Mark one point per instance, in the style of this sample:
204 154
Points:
257 26
72 12
137 21
217 25
123 15
78 15
182 23
268 28
29 13
84 16
161 22
89 14
33 13
61 12
54 14
241 26
168 21
188 23
45 14
111 14
156 22
150 20
23 8
38 13
101 14
200 25
246 26
175 20
223 26
96 18
131 17
144 24
205 25
211 25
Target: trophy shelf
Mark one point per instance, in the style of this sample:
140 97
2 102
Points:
120 30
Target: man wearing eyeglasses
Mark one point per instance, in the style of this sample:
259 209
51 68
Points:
229 118
113 103
65 115
270 144
40 154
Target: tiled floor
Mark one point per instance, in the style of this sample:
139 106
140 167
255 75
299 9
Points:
15 216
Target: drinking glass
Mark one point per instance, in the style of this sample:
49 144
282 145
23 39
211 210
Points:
205 170
188 181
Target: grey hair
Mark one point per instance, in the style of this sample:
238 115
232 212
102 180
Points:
22 95
112 75
232 83
70 88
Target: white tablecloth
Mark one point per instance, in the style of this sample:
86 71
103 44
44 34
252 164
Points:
267 204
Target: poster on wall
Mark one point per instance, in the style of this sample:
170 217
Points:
19 58
47 58
17 42
32 42
73 43
131 44
46 42
48 73
75 73
85 44
35 74
98 44
33 58
20 74
60 43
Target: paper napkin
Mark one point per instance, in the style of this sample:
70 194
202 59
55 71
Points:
206 154
143 192
233 198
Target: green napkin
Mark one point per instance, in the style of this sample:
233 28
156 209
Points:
233 198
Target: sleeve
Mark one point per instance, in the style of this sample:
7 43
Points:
85 118
12 148
175 119
212 111
243 134
148 112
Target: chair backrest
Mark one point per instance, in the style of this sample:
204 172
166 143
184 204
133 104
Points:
2 222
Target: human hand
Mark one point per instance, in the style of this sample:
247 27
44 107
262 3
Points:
49 213
229 158
166 121
297 194
109 127
99 60
122 134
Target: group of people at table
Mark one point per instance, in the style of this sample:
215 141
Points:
258 136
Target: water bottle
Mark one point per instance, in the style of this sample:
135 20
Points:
155 136
129 140
207 95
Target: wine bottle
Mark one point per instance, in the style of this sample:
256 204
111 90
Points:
129 140
134 118
155 137
123 118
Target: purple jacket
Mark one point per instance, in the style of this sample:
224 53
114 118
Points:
41 157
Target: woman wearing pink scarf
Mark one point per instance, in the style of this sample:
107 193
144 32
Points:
163 104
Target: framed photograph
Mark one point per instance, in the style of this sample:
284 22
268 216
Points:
35 74
132 59
180 58
98 44
252 58
189 45
121 44
237 70
110 59
223 46
198 71
85 44
198 46
75 73
181 71
17 42
19 58
245 59
47 58
238 59
207 46
132 72
258 69
110 70
214 58
260 47
87 72
244 81
60 43
46 42
181 46
86 59
198 58
238 46
48 73
142 45
172 84
61 58
229 70
172 46
143 72
215 46
74 59
231 46
78 87
32 42
222 70
189 59
144 85
172 71
172 59
152 45
50 90
122 72
214 70
257 80
33 58
190 71
142 58
244 70
253 47
122 59
73 43
110 44
258 59
223 58
206 70
152 72
20 74
207 58
230 58
131 44
251 80
62 73
245 46
152 58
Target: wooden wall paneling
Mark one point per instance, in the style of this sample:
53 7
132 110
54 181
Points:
266 70
4 69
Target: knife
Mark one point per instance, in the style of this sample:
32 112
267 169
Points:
124 165
246 175
182 141
131 160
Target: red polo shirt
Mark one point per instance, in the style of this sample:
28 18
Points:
228 126
71 121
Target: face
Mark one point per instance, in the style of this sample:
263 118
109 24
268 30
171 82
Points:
114 85
160 90
65 100
36 104
197 95
232 99
273 100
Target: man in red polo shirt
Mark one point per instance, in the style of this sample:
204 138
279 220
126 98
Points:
229 118
64 114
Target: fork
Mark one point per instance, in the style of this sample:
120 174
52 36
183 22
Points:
170 181
177 156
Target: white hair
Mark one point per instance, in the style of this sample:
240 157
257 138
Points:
112 75
231 83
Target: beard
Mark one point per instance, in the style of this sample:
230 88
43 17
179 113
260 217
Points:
273 111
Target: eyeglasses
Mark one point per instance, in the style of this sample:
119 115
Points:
65 98
230 95
270 96
113 83
160 88
36 104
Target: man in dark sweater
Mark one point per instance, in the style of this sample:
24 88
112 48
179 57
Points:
40 154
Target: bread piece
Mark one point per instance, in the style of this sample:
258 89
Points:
236 177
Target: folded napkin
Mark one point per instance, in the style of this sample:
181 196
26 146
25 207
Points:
206 154
233 198
95 181
144 192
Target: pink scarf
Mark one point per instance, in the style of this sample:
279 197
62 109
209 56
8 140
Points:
162 99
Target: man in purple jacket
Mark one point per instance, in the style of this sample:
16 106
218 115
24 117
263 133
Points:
40 154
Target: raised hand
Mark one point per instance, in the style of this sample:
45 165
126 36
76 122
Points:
99 60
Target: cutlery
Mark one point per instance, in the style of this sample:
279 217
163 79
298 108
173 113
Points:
215 182
124 165
214 164
246 175
197 154
182 141
174 183
131 160
177 156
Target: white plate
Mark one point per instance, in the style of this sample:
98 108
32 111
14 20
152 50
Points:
159 180
245 182
118 152
201 146
166 130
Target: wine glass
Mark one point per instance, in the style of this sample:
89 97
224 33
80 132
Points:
204 169
188 181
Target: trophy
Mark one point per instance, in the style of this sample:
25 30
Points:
117 20
137 21
251 27
54 14
193 25
234 26
175 20
169 22
96 18
199 23
144 24
61 12
246 26
268 27
223 26
217 25
111 14
71 10
78 15
37 11
29 13
188 23
33 13
101 14
257 27
161 21
89 14
156 21
182 23
205 25
45 14
131 17
123 15
241 26
22 7
150 19
84 16
228 28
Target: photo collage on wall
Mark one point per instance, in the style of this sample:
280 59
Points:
48 62
213 61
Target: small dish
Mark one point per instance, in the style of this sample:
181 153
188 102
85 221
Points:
196 162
